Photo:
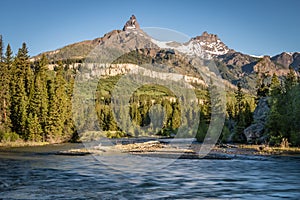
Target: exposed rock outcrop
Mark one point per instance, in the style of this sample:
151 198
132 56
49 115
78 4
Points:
284 59
131 24
296 61
255 131
211 44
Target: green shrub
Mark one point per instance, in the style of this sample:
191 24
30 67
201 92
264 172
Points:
167 132
275 140
9 137
115 134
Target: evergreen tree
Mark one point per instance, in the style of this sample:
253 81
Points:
38 106
284 112
59 122
275 87
8 59
240 116
19 103
277 118
168 108
34 128
239 95
23 68
248 114
1 49
69 127
176 116
291 79
20 91
5 76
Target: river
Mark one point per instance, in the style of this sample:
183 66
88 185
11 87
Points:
38 173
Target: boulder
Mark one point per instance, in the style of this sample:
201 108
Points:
255 131
261 111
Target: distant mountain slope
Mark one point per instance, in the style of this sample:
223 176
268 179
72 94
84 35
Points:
233 66
76 51
287 60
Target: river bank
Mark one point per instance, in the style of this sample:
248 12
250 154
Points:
166 148
179 149
22 144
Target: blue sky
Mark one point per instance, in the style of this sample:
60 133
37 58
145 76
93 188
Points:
250 26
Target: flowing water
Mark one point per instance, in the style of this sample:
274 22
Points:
37 173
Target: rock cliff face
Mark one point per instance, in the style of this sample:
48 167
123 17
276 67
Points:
296 60
284 59
255 131
265 65
117 69
287 60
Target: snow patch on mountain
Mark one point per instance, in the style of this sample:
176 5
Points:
255 56
195 48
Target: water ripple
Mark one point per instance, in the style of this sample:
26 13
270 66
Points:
27 175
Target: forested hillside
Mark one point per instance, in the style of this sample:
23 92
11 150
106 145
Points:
36 104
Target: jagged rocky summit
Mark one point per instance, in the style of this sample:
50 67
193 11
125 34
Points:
211 44
233 66
131 24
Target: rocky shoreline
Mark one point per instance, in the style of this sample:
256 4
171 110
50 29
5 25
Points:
161 149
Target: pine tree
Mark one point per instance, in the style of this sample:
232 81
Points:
19 103
240 117
291 79
239 95
23 68
69 127
169 110
275 87
53 114
8 59
59 123
5 76
38 106
176 116
276 120
34 128
20 91
248 114
1 49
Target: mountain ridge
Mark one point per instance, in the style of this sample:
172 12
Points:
234 66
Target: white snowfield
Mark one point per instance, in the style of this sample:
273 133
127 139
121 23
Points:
202 49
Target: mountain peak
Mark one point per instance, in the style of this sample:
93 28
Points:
131 24
211 44
207 37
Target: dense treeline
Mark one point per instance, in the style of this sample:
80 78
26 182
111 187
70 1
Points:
35 105
284 99
35 102
239 111
146 100
238 117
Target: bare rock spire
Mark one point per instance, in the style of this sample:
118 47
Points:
131 24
